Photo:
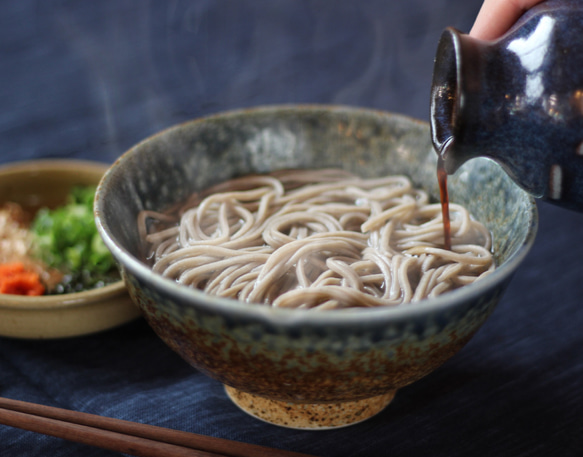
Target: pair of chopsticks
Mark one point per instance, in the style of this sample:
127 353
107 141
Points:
124 436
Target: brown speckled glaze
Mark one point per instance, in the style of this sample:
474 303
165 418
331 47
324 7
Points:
298 356
317 416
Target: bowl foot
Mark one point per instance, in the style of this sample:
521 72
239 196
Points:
309 416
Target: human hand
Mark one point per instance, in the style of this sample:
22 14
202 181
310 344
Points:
497 16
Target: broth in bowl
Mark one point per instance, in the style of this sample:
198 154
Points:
316 239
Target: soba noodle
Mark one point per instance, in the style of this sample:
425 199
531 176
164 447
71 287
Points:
316 239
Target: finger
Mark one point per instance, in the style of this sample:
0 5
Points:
497 16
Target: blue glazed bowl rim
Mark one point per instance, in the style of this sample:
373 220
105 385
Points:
304 317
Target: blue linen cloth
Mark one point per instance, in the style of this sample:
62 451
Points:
89 79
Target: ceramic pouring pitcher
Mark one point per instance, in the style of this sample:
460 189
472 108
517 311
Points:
517 100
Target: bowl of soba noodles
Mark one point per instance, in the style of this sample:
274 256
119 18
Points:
57 278
297 254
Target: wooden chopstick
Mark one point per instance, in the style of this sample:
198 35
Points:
128 437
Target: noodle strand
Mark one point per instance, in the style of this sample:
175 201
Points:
318 239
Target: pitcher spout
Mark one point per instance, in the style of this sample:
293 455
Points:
445 91
453 62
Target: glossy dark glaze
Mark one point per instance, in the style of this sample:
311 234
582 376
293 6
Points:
517 100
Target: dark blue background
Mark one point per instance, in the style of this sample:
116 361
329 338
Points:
87 79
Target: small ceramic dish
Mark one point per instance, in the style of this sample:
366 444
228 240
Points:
34 184
292 367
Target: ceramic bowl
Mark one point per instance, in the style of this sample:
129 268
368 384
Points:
35 184
300 368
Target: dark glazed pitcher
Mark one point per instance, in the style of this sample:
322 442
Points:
517 100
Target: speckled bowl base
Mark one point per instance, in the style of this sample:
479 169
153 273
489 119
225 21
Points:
309 416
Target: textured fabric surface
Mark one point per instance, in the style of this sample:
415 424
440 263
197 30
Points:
89 79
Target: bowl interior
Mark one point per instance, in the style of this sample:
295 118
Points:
168 167
46 182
